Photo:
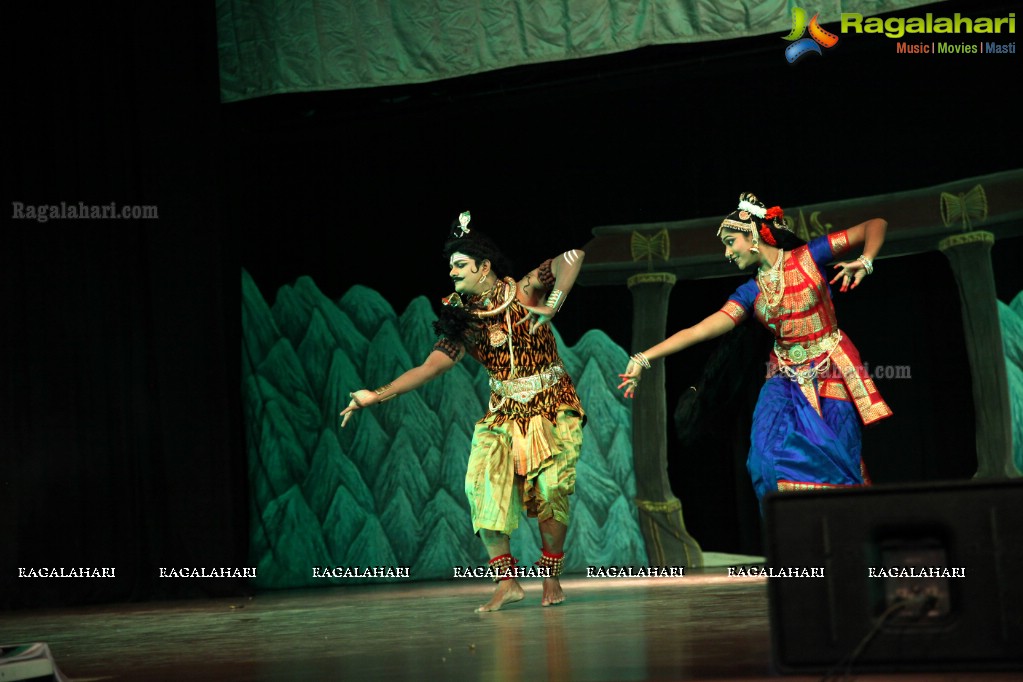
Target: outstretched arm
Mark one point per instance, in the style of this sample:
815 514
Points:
708 328
565 269
436 364
871 234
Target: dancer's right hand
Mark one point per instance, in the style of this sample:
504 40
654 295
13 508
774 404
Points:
360 399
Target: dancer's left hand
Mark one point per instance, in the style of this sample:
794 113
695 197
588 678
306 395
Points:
538 316
630 379
852 273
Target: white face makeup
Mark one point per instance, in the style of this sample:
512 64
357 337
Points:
466 274
457 256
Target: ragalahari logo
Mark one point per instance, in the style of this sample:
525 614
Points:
801 46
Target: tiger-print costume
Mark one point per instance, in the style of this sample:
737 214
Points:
533 353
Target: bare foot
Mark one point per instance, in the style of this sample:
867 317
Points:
552 594
507 591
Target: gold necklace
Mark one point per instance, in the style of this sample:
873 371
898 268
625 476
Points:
774 291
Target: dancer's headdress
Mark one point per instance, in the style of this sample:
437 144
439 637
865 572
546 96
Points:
463 242
460 228
754 218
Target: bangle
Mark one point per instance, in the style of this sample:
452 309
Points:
380 391
554 299
641 360
868 264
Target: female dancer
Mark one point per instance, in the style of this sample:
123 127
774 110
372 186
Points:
806 425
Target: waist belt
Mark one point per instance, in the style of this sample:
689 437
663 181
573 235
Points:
797 354
791 360
524 389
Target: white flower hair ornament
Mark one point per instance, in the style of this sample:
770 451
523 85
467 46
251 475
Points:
758 211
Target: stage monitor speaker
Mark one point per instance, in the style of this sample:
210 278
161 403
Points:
896 578
28 663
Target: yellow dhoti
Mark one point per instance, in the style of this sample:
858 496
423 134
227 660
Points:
511 470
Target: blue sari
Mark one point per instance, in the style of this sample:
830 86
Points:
792 447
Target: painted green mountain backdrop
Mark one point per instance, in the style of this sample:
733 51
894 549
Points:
388 489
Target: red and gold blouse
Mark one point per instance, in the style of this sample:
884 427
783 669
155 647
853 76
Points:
809 346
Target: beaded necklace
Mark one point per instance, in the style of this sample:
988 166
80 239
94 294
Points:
774 285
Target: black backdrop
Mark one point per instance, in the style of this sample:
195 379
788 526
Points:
121 436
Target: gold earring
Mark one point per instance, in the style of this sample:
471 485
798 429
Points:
483 277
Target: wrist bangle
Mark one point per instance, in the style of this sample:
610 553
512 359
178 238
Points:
554 298
868 264
383 389
641 360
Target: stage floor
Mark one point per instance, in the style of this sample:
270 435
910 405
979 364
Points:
705 626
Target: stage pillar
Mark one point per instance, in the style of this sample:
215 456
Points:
970 256
668 543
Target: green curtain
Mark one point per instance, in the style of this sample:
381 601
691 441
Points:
270 47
